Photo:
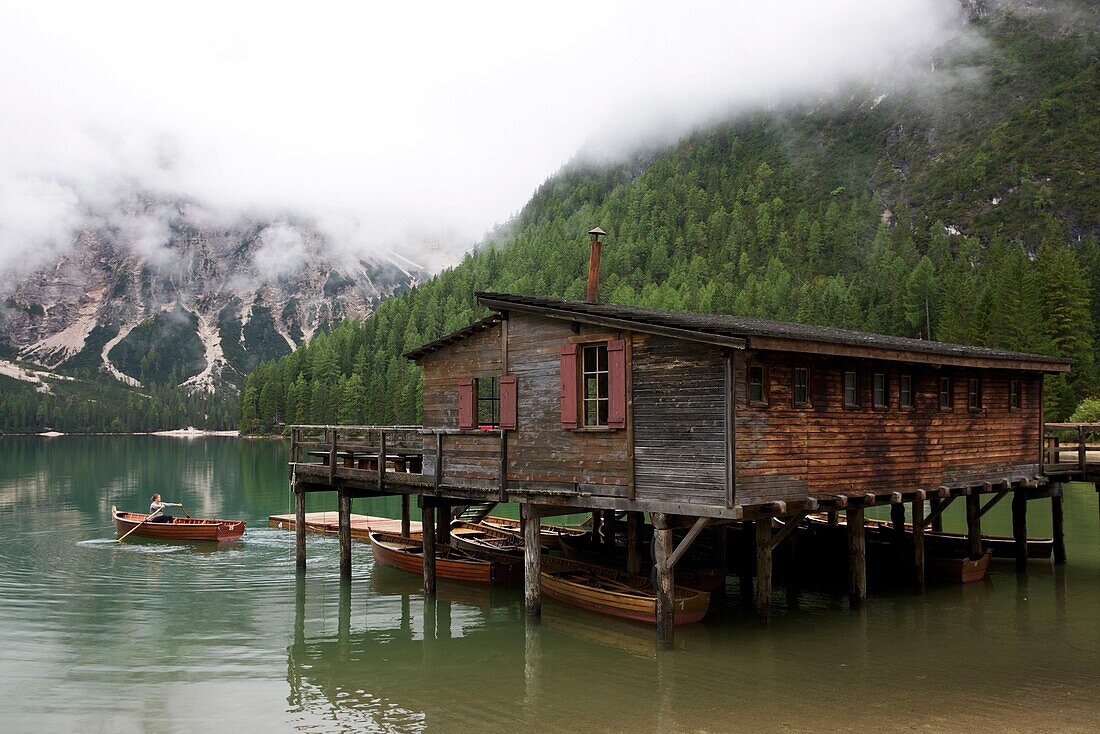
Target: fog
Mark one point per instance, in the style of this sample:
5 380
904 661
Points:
401 130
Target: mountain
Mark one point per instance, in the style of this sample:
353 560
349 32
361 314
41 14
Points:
963 207
192 309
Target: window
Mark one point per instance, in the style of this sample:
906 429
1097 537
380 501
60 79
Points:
879 397
974 394
758 389
945 393
1013 394
801 387
905 391
488 402
851 390
594 385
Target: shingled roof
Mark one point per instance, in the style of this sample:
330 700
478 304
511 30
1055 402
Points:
739 332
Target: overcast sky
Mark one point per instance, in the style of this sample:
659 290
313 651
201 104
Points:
397 124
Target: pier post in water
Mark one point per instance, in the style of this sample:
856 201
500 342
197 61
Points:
918 542
857 557
665 588
634 543
1057 523
427 527
405 523
1019 526
299 529
532 561
974 522
344 532
763 568
937 521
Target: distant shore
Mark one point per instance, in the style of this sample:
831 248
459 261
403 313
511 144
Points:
174 433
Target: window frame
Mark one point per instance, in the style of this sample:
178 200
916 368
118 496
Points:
950 393
493 400
903 378
855 404
807 401
1015 402
584 399
974 390
763 402
885 404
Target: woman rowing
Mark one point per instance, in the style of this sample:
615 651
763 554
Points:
157 507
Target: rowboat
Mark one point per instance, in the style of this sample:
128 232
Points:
477 537
957 569
959 543
549 535
407 554
692 571
181 528
606 591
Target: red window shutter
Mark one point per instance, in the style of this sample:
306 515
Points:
569 386
616 383
508 401
466 403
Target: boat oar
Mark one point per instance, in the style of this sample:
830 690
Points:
147 519
185 512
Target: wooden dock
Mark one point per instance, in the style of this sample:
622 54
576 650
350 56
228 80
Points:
328 523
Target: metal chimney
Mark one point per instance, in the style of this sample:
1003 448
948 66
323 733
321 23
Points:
594 264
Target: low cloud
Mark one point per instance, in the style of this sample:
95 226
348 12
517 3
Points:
400 134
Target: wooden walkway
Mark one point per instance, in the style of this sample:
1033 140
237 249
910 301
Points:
329 524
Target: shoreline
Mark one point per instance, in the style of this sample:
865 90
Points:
172 433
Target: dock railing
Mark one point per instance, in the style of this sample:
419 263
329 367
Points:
1072 444
400 450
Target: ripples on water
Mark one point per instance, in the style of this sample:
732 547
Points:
151 637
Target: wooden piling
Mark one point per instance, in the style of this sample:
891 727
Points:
665 606
427 527
1057 522
974 523
344 533
532 561
1019 527
300 529
634 543
857 557
763 568
897 519
405 521
443 523
918 543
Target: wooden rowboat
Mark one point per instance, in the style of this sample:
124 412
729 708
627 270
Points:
692 572
181 528
407 554
477 537
549 535
956 570
606 591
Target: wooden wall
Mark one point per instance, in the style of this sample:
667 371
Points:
679 421
784 452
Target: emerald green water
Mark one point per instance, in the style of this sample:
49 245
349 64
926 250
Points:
155 637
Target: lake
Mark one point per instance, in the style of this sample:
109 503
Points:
156 637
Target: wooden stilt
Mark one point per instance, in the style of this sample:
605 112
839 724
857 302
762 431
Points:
763 568
634 543
918 543
405 522
609 527
1057 523
831 517
443 523
427 527
857 558
300 529
937 520
665 607
746 549
974 523
897 519
1019 527
532 557
344 532
597 517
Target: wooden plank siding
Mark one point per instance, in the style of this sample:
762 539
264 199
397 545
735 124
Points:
785 452
679 421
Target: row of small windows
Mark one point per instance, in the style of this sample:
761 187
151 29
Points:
880 392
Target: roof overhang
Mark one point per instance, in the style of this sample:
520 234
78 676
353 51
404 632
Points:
721 340
475 328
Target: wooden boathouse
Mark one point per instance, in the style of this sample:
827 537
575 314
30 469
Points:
698 421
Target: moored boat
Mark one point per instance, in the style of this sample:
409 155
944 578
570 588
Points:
692 571
606 591
957 569
477 537
407 554
549 535
181 528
